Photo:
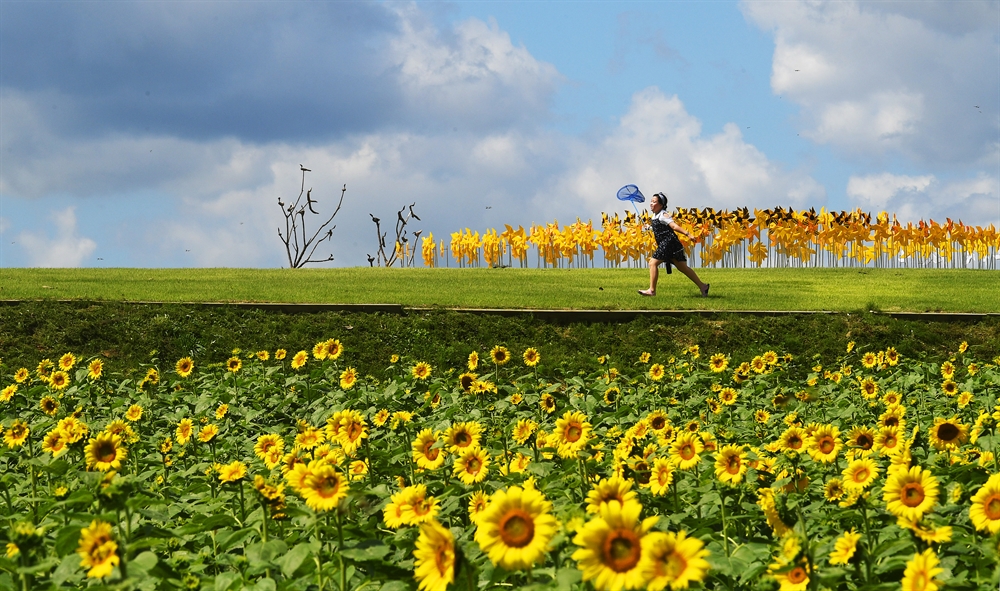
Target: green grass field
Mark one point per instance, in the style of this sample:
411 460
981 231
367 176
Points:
888 290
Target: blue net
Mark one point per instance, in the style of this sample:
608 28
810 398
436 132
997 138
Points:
630 193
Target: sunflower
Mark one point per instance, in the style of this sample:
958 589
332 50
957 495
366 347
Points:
985 509
462 436
860 474
434 557
426 455
232 472
949 387
472 465
97 549
319 351
333 349
353 430
67 361
466 380
833 490
299 359
95 369
381 417
515 528
7 393
731 464
888 441
208 433
280 354
59 380
49 405
348 378
869 389
761 416
184 367
673 559
611 395
948 434
661 477
573 431
21 375
758 365
523 430
861 438
791 577
792 440
105 452
718 363
134 413
685 449
824 444
964 399
531 357
910 493
263 355
44 369
324 487
548 403
728 396
73 427
54 442
310 437
656 372
500 355
17 434
611 547
610 489
184 431
421 371
234 364
644 357
267 444
931 535
921 571
473 361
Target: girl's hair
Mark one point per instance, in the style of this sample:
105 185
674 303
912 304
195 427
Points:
661 198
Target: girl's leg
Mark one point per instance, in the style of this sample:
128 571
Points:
654 275
689 272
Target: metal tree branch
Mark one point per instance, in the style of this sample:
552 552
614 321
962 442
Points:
300 246
398 249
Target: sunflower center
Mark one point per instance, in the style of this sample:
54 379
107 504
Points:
573 433
794 442
431 453
826 445
912 494
865 442
327 487
642 474
473 466
106 452
675 564
462 439
948 432
658 423
442 559
517 528
991 506
422 507
733 464
890 442
354 431
797 575
687 451
621 550
861 475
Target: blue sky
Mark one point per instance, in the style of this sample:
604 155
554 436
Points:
161 134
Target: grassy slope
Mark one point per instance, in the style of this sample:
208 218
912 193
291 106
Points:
915 290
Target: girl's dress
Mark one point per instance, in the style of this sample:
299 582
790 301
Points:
668 246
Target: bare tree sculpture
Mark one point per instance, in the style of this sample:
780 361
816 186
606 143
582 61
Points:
399 245
299 244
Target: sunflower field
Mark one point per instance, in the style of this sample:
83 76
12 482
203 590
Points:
279 470
777 237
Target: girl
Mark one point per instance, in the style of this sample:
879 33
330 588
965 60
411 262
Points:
668 247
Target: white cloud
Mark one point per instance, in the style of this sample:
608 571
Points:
659 146
975 200
878 78
64 249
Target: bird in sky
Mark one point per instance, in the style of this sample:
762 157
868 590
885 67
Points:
304 169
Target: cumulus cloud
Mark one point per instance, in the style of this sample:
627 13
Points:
62 248
658 145
975 200
880 78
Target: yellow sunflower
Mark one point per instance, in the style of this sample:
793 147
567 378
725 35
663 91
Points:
299 360
730 464
921 572
477 504
268 443
472 465
662 476
531 357
381 417
434 557
515 528
656 372
208 433
523 430
573 431
728 396
184 431
67 361
845 547
232 472
95 369
134 413
466 380
673 559
263 355
473 361
611 547
348 378
319 351
49 405
548 403
421 371
462 436
860 474
353 430
500 355
426 454
280 354
610 489
184 367
833 490
792 440
97 549
948 434
685 450
888 441
985 509
59 380
824 444
333 349
718 363
21 375
7 393
105 452
54 442
324 487
910 493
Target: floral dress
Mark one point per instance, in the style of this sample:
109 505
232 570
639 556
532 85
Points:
668 246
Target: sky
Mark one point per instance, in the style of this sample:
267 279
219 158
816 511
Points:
163 133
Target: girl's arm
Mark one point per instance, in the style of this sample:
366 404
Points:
681 230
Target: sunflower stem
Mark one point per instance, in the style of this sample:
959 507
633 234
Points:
583 478
318 557
340 547
869 543
243 510
722 504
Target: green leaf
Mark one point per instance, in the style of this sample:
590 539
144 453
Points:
227 581
290 562
395 586
373 552
262 555
265 584
69 567
68 540
142 563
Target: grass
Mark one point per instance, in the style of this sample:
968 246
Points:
889 290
